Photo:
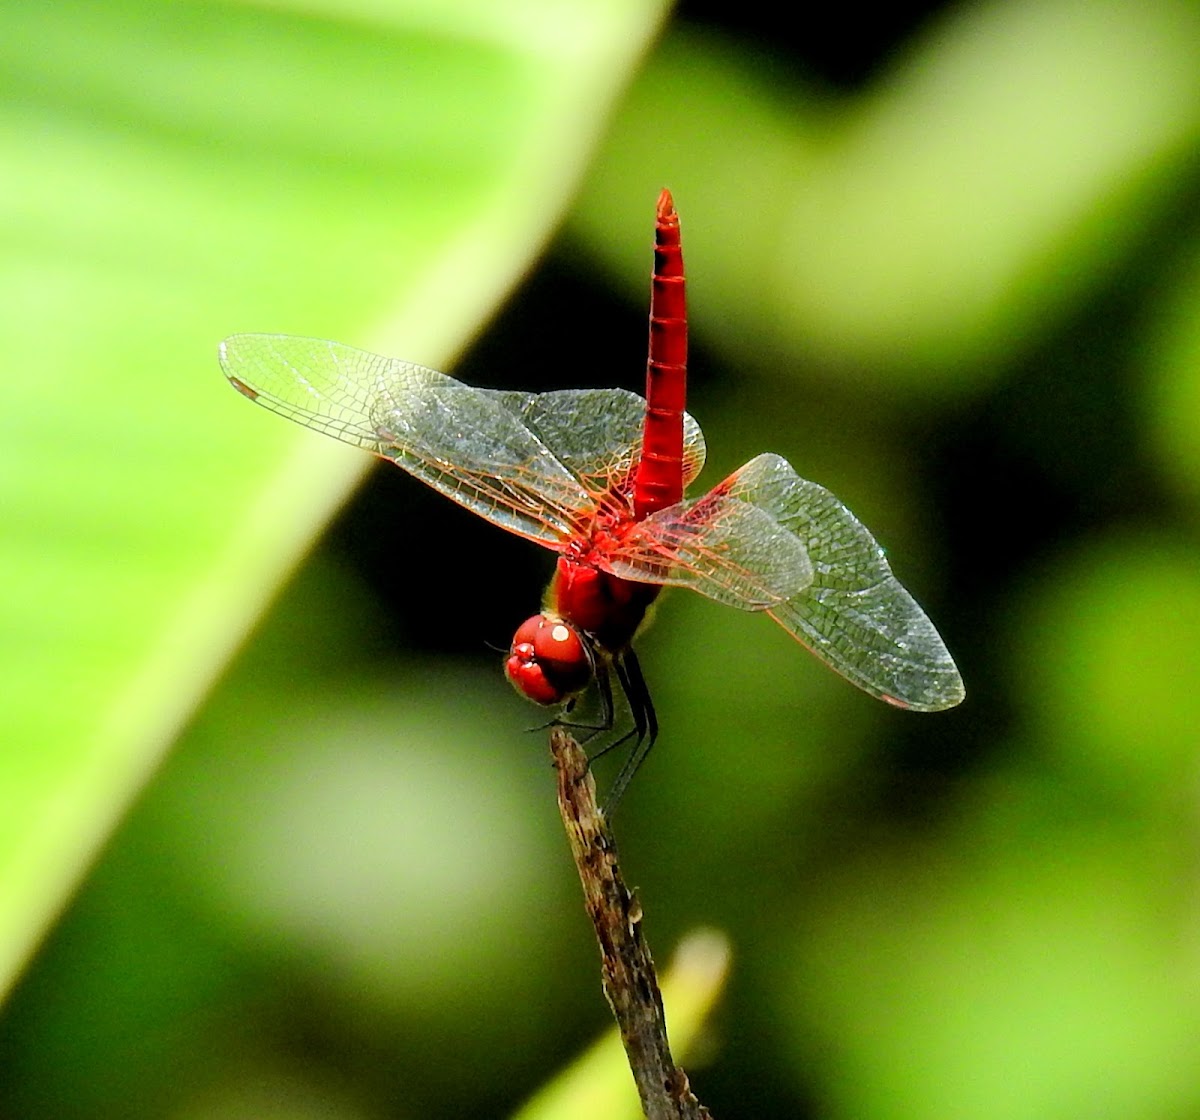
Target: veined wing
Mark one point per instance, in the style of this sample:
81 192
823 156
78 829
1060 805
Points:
720 546
856 616
597 434
465 442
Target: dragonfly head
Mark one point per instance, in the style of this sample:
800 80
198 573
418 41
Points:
549 660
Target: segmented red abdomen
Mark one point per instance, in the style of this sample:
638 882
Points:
659 479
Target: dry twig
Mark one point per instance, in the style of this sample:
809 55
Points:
630 983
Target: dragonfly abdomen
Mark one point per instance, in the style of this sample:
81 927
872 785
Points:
659 479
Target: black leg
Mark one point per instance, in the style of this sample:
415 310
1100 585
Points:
629 673
607 711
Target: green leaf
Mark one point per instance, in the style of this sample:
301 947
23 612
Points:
173 174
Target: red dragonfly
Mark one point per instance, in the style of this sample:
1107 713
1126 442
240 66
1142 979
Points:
598 476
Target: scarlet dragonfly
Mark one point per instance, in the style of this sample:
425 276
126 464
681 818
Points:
598 476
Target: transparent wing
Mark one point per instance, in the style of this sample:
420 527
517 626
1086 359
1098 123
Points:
723 548
717 545
470 444
855 615
597 434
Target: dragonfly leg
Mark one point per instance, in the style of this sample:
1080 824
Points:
633 684
641 708
604 689
608 709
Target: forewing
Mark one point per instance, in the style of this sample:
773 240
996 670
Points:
465 442
717 545
694 450
855 615
323 385
597 434
594 433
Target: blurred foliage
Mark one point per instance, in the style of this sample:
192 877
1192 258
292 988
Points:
960 287
173 175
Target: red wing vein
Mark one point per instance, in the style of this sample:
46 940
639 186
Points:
724 548
856 616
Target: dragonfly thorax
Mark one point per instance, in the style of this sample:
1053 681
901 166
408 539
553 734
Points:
605 607
549 660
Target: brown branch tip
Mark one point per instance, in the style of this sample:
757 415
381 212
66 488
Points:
630 982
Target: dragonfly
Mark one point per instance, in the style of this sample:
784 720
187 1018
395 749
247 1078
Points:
599 477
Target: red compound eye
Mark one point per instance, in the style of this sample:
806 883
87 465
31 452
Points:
548 660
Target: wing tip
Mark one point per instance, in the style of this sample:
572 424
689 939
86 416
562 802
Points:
227 365
939 700
246 391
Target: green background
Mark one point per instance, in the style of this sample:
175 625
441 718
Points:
273 840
